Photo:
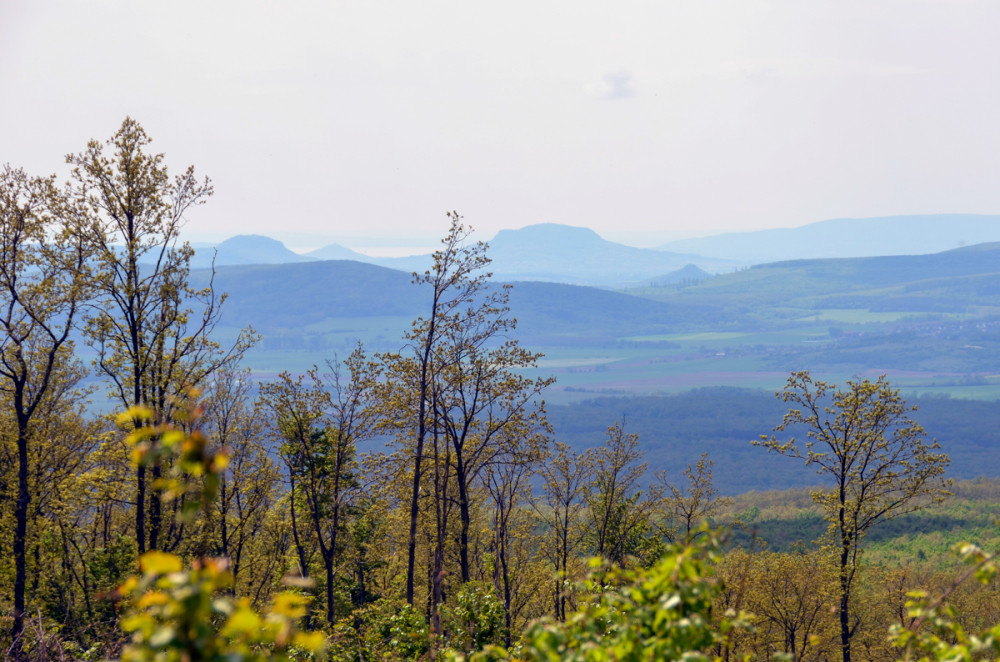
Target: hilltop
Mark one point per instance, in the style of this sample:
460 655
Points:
848 237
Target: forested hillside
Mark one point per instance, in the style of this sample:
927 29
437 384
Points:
676 429
416 498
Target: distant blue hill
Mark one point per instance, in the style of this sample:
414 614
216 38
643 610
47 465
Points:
553 252
562 253
245 249
848 237
294 296
337 252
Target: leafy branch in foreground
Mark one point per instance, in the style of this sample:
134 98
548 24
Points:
934 633
180 614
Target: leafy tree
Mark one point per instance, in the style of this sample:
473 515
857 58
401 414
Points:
387 629
620 512
862 439
458 290
934 632
790 598
457 388
248 486
507 482
150 342
685 509
475 619
566 475
44 278
319 431
484 408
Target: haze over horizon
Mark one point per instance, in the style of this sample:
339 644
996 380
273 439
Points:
362 123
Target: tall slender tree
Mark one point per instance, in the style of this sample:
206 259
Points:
248 486
566 477
318 424
507 479
683 509
44 278
458 290
484 407
150 341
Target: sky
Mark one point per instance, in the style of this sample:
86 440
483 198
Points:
362 122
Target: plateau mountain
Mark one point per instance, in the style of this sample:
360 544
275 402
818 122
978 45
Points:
245 249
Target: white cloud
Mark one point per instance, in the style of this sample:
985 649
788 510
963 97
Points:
614 86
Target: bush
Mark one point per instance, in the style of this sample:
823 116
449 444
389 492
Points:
476 619
662 613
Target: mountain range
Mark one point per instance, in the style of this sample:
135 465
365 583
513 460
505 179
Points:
546 252
566 254
294 297
848 237
931 321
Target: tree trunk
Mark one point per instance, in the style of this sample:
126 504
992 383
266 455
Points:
155 509
465 517
423 389
411 553
303 564
845 586
328 562
223 521
437 589
140 508
20 536
506 588
564 561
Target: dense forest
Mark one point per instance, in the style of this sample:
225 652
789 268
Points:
212 517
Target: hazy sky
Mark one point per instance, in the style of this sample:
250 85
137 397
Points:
349 121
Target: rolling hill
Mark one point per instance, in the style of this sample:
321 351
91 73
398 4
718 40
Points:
275 298
848 237
950 281
562 253
297 296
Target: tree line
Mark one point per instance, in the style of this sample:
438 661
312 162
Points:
251 518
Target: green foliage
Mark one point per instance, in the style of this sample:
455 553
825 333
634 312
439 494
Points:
475 619
180 614
387 629
663 613
935 632
863 441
